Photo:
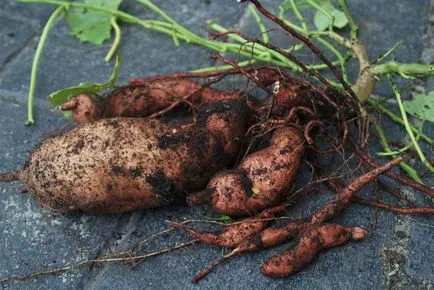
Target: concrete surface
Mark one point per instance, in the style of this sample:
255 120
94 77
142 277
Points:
397 254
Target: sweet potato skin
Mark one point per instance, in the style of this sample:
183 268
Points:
234 234
261 179
312 241
122 164
143 100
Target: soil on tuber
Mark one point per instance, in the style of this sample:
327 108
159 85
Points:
144 99
119 164
260 181
310 242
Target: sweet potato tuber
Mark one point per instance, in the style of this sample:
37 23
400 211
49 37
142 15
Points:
234 234
120 164
142 100
260 180
311 241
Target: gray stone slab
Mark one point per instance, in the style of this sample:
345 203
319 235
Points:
420 263
14 35
35 14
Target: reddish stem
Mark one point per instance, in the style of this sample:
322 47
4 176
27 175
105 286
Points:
414 210
400 178
243 71
307 42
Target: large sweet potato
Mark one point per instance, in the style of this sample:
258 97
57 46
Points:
121 164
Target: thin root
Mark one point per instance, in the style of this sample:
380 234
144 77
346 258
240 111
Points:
10 176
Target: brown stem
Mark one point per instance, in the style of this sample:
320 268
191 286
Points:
365 82
283 52
414 210
307 42
243 71
263 72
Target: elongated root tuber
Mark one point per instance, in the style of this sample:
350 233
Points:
310 243
234 234
343 197
151 98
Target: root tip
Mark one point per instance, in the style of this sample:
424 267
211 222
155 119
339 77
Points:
358 233
201 275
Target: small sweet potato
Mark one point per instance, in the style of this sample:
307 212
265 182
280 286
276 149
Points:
234 234
143 100
120 164
311 241
260 180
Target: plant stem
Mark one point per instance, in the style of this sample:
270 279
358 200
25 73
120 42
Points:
36 59
298 15
353 25
261 25
411 172
339 56
389 52
405 70
116 41
382 109
408 127
223 67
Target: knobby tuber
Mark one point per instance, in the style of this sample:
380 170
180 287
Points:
143 100
121 164
261 180
278 234
311 241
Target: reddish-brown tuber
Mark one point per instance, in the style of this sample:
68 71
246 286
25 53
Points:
311 241
234 234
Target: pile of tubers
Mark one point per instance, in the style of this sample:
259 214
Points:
233 153
119 159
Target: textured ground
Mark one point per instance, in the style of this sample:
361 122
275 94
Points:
397 255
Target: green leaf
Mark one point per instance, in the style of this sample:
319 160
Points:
422 106
225 219
61 96
89 25
340 19
322 20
